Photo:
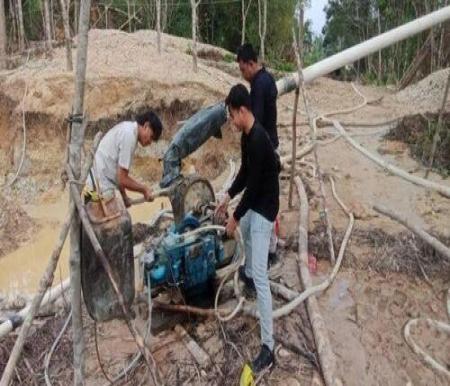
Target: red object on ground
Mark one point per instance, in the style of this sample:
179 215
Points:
312 263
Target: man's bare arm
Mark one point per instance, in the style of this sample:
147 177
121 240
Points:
126 182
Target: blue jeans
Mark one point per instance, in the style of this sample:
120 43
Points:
256 232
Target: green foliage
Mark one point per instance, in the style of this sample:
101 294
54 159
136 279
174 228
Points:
315 52
350 22
229 58
283 65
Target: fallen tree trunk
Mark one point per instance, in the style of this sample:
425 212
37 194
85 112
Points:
430 240
326 356
444 190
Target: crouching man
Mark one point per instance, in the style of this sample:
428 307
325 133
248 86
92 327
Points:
256 212
115 154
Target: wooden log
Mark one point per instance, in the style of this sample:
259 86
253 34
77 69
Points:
184 308
430 240
107 267
302 152
67 38
76 142
158 25
46 280
294 148
48 33
326 356
442 189
200 356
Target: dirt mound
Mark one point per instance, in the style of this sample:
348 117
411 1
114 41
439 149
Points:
15 225
418 131
122 69
426 94
125 74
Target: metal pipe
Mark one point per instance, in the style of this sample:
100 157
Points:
364 49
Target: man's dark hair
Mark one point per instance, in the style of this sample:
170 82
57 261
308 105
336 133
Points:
238 97
153 120
246 53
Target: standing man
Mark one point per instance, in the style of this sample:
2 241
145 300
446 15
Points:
263 97
115 154
256 212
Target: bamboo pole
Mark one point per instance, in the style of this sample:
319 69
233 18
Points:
442 189
76 142
46 280
430 240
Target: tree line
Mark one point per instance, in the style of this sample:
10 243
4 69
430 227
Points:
25 24
349 22
267 24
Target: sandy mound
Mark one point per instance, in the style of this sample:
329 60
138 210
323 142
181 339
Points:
123 69
15 225
427 95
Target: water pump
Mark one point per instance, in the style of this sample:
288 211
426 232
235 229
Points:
186 256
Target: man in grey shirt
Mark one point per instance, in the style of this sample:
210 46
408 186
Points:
115 154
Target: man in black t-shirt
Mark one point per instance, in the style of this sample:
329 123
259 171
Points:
263 97
255 213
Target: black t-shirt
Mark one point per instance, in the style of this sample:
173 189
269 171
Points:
258 175
263 96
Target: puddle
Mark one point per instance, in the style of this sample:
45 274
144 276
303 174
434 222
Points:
21 270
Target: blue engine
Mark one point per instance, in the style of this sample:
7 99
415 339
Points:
188 262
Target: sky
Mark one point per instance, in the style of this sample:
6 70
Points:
316 14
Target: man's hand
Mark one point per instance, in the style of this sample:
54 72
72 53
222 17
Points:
148 194
231 226
223 206
220 215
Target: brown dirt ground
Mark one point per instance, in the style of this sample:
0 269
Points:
365 309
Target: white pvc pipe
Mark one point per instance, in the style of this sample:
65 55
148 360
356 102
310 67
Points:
50 296
366 48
